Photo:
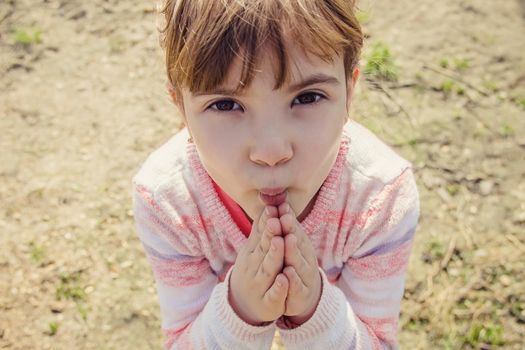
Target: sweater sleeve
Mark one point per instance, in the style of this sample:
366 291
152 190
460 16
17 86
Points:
195 313
361 309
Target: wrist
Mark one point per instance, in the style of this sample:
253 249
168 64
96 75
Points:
297 320
240 312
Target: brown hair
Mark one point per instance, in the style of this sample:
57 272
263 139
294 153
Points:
202 38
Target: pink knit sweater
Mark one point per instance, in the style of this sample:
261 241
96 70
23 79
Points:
362 228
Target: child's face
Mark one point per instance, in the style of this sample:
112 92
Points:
266 138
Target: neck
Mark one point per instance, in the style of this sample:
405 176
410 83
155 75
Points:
308 208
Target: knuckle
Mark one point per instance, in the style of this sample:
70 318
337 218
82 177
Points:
262 222
260 249
294 286
272 297
268 235
274 240
302 264
260 226
263 271
246 250
298 286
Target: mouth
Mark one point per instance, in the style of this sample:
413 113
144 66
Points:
273 196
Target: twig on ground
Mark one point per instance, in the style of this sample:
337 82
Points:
446 259
515 241
377 85
456 77
403 85
7 14
437 269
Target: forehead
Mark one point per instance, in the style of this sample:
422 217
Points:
299 64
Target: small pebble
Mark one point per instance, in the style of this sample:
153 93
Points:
505 280
485 187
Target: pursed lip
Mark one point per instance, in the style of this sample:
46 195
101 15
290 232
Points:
273 196
272 191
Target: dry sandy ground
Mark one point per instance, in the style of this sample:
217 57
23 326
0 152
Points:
81 108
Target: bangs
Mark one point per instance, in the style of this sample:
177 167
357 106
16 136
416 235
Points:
203 38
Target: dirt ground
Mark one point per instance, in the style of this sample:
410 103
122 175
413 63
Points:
83 102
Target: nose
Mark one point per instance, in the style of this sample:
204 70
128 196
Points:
270 149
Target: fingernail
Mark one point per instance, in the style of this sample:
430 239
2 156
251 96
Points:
286 208
267 211
279 283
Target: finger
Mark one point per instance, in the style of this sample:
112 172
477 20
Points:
269 212
295 284
272 263
273 228
277 293
290 226
294 257
284 208
258 228
288 223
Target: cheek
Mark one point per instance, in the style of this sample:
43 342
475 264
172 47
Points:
318 150
320 137
214 141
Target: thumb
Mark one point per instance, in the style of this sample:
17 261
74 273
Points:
277 293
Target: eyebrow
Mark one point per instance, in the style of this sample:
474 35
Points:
318 78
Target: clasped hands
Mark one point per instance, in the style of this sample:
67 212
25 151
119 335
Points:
276 271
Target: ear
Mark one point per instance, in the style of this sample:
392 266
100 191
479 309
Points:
177 101
350 86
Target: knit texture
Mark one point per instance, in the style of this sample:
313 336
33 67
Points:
362 227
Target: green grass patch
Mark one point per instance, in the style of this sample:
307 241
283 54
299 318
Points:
447 86
83 311
52 328
506 130
434 251
404 139
27 37
481 335
461 63
380 63
520 102
517 308
480 131
415 324
412 141
490 85
452 189
362 16
70 288
37 252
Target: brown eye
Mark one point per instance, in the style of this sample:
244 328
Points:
225 105
307 98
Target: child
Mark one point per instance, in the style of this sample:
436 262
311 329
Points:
271 210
